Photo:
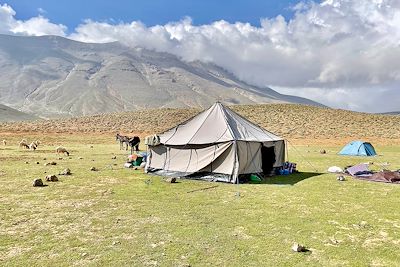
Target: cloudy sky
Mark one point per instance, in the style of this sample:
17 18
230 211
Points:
342 53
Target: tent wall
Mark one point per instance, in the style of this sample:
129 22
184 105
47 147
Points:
369 149
249 157
223 163
232 158
218 158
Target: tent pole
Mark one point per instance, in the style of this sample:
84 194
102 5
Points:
236 169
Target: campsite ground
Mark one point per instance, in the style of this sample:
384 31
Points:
118 216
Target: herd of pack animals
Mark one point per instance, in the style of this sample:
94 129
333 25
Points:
133 143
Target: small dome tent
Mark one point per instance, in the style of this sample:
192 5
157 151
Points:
219 143
358 148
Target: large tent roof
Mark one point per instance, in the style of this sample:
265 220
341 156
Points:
216 125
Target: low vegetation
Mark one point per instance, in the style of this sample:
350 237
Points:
288 120
118 216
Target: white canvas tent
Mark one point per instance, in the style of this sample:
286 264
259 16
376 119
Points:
216 143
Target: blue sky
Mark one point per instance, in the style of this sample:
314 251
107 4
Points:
74 12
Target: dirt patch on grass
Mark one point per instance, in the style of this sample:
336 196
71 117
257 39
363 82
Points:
13 252
240 233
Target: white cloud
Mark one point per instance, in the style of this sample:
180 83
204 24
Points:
41 10
369 99
336 52
345 48
36 26
6 18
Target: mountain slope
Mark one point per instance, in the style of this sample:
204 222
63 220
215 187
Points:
52 76
10 114
391 113
288 121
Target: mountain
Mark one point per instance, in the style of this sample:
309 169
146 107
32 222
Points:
52 76
391 113
10 114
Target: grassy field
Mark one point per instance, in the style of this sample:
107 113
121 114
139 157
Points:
118 216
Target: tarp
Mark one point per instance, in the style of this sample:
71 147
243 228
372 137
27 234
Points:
217 140
358 148
383 176
359 168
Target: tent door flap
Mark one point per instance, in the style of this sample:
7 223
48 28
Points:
268 159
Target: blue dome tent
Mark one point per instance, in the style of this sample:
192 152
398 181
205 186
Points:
358 148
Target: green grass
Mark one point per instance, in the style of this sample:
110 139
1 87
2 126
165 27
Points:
119 216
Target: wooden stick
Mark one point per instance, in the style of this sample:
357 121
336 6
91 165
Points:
201 189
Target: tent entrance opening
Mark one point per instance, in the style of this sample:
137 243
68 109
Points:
268 159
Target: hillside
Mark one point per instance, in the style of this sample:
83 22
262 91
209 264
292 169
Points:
10 114
392 113
56 77
287 120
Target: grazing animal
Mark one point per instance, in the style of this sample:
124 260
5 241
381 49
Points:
4 142
119 138
24 144
134 143
63 150
34 145
122 140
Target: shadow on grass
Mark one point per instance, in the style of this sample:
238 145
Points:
289 179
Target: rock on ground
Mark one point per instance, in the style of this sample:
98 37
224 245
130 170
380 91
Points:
171 180
37 182
298 248
65 172
51 178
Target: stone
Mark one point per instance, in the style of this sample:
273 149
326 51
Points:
115 157
93 169
298 248
341 178
171 180
51 178
322 151
80 158
65 172
37 182
37 162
